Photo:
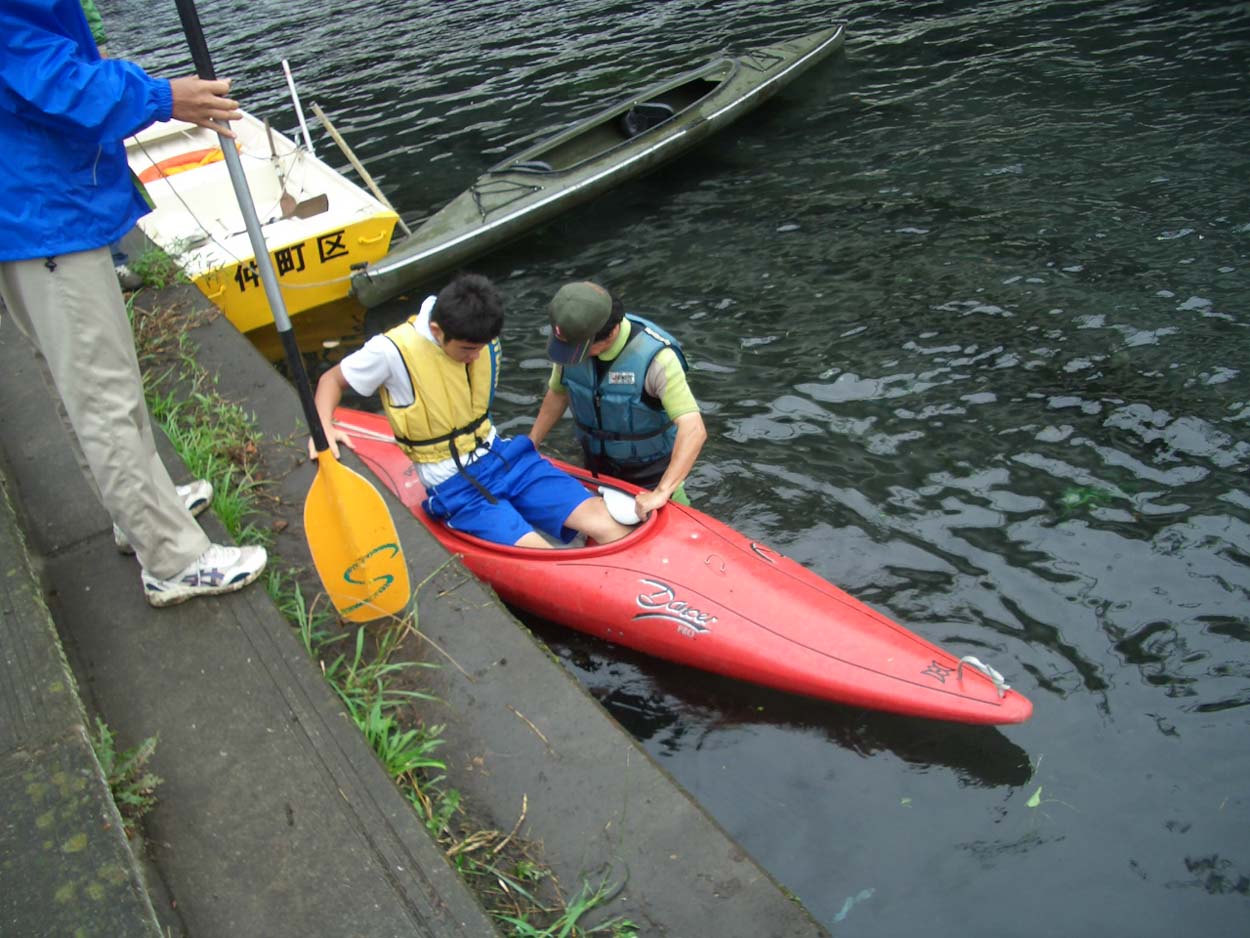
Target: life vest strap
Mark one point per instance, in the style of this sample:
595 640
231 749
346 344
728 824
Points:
446 437
450 439
464 471
599 434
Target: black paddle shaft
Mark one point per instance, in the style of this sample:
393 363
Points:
295 362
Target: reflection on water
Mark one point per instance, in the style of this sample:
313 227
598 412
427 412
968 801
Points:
966 308
673 709
324 335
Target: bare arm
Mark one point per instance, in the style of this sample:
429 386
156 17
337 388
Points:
201 102
553 407
691 435
330 390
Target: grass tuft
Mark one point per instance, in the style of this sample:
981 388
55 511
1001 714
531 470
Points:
132 784
567 921
156 269
215 437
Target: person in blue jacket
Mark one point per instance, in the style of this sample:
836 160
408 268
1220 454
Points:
65 195
625 379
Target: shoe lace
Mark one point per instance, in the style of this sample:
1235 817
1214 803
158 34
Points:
218 555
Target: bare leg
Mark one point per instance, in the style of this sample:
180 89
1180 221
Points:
533 539
591 518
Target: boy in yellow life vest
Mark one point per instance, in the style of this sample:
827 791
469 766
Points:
436 375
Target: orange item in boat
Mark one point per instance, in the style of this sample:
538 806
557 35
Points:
192 159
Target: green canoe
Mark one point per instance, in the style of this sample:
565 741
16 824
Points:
625 140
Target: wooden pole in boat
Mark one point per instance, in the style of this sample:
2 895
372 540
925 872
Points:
359 167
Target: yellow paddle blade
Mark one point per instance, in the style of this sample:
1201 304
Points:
354 545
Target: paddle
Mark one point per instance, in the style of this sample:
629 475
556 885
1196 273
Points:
286 202
350 533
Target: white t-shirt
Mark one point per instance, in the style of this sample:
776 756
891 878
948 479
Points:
378 364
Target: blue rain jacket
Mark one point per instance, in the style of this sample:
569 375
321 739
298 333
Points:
64 113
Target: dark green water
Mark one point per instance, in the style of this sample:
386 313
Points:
967 309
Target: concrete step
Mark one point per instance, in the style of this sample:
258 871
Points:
65 863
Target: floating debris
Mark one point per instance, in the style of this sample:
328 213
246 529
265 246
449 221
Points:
852 901
1082 496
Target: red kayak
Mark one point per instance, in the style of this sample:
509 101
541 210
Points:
689 589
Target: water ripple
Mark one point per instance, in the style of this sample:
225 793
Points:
966 309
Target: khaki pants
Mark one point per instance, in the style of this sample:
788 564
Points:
71 309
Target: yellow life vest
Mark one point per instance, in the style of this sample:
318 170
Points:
450 412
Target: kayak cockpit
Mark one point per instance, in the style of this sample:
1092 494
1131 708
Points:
620 123
401 477
620 506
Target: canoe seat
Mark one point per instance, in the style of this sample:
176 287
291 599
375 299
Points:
643 116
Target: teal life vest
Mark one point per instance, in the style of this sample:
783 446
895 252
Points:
623 431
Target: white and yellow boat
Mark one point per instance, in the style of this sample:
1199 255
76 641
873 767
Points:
316 223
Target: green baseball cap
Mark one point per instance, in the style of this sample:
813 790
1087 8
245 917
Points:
578 311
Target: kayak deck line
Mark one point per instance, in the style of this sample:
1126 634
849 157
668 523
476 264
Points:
687 588
798 64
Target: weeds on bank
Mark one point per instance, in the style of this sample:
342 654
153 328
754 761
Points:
364 676
567 918
156 269
216 438
218 441
132 784
365 684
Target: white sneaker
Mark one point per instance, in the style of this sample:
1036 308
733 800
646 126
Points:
220 569
195 495
127 279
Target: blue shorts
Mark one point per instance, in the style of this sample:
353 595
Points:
530 493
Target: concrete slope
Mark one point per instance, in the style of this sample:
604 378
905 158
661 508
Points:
274 817
66 867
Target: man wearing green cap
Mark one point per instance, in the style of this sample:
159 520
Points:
625 379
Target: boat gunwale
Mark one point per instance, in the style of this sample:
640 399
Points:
302 169
298 162
613 111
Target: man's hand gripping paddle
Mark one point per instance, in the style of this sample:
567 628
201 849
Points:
350 533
